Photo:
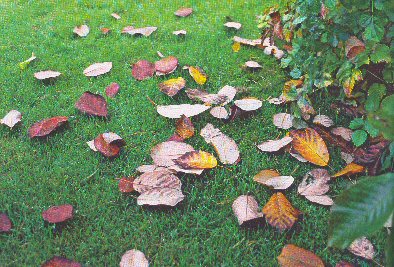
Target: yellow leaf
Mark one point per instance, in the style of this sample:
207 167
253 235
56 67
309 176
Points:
309 144
350 82
172 86
197 160
198 75
293 256
350 169
236 47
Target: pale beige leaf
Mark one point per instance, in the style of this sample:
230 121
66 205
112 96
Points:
115 16
229 92
348 158
246 209
47 74
160 196
323 120
134 258
207 98
184 12
234 25
11 118
179 33
283 120
322 200
345 133
97 69
219 112
252 64
176 111
276 182
315 183
362 247
91 145
157 179
81 31
247 41
164 153
248 104
151 168
275 145
145 31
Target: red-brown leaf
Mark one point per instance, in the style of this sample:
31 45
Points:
5 223
109 144
166 65
112 90
143 69
58 214
92 104
47 126
126 185
57 261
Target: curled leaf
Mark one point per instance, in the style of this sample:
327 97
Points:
179 33
166 65
209 99
145 31
115 16
323 120
97 69
275 145
11 118
354 47
92 104
362 247
246 209
143 69
252 64
197 160
109 144
23 65
219 112
244 41
234 25
172 86
46 126
314 186
58 214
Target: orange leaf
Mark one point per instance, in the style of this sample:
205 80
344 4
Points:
293 256
197 160
350 169
280 213
309 144
184 127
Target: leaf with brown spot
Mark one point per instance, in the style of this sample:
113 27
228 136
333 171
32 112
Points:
112 90
47 126
176 111
57 261
145 31
350 169
219 112
248 104
308 143
233 25
293 256
244 41
354 47
314 186
179 33
47 74
273 179
109 144
58 214
82 30
280 213
245 208
134 258
125 185
323 120
198 75
275 145
97 69
207 98
184 127
92 104
166 65
197 160
283 120
172 86
5 223
184 12
11 118
362 247
143 69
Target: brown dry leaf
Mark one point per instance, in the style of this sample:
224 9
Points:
309 144
112 90
143 69
184 12
246 209
82 30
207 98
345 133
57 261
248 104
176 111
46 126
109 144
157 179
225 147
172 86
134 258
354 47
125 185
58 214
283 120
197 160
5 223
350 169
11 118
293 256
159 196
362 247
244 41
175 137
184 127
92 104
273 179
280 213
198 75
252 64
105 30
323 120
219 112
97 69
236 47
234 25
115 16
314 186
275 145
166 65
145 31
47 74
179 33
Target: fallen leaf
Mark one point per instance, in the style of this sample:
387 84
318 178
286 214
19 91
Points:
225 147
47 74
236 47
105 30
92 104
125 185
11 118
109 144
184 12
115 16
179 33
248 104
370 154
297 156
5 223
362 247
198 75
350 169
275 145
273 179
112 90
345 133
309 144
348 158
323 120
58 214
127 29
176 111
293 256
335 140
57 261
277 28
166 65
184 127
172 86
150 168
252 64
314 186
344 264
97 69
219 112
280 213
82 30
197 160
145 31
23 65
207 98
354 47
158 179
244 41
143 69
165 153
234 25
246 209
175 137
229 92
134 258
158 196
46 126
283 120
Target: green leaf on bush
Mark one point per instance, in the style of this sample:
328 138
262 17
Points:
373 132
375 95
359 137
356 123
381 54
383 118
361 210
373 32
295 73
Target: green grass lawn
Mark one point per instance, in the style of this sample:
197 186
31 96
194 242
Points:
202 230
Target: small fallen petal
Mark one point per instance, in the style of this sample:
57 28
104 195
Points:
12 118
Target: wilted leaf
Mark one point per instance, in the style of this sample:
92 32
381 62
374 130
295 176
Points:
224 146
143 69
125 185
248 104
207 98
246 209
308 143
109 144
345 133
112 90
115 16
172 86
219 112
12 118
82 30
97 69
236 47
179 33
273 179
145 31
184 127
275 145
134 258
58 214
323 120
370 154
362 247
314 186
283 120
47 74
350 169
57 261
354 47
184 12
252 64
23 65
198 75
234 25
280 213
293 256
197 160
176 111
92 104
46 126
166 65
246 41
5 223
